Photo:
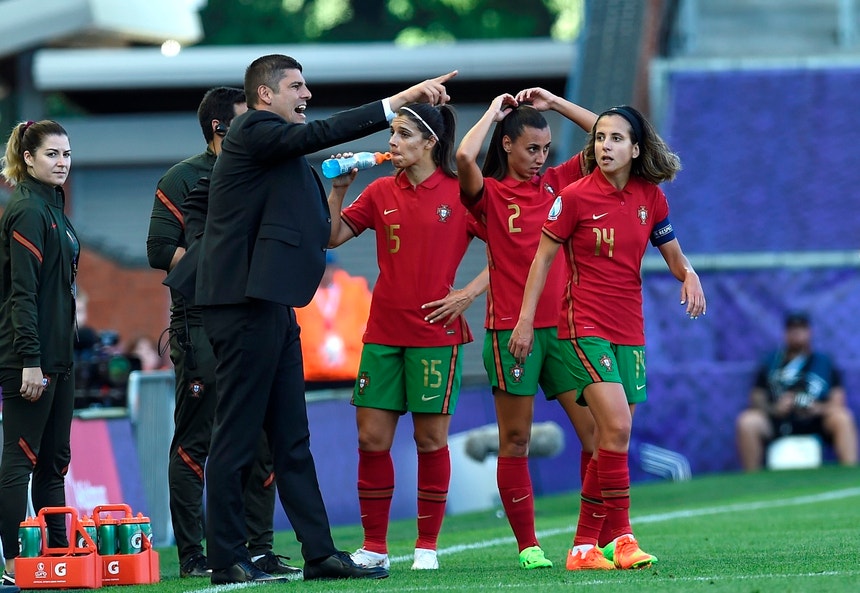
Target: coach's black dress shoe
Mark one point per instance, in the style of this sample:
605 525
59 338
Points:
245 571
340 566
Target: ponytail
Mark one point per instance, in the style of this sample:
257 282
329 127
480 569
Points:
26 137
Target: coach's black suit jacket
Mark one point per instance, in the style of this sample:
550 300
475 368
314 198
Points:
268 224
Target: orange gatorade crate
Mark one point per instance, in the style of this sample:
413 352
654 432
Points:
76 567
125 552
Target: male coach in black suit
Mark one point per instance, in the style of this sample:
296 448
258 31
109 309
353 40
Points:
263 253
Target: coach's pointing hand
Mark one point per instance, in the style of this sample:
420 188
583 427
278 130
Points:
430 91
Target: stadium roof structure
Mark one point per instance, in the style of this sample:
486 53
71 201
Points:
24 26
206 66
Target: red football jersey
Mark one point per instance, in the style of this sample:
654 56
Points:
513 213
421 236
605 232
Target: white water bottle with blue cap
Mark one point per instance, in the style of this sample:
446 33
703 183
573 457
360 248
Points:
331 168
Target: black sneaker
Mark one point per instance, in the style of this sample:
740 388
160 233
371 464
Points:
7 584
274 564
195 566
245 571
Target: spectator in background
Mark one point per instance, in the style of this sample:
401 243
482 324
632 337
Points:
39 254
332 327
87 338
797 390
144 355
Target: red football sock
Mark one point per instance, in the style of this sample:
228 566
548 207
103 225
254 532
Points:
434 475
375 490
591 511
584 460
605 535
615 488
515 489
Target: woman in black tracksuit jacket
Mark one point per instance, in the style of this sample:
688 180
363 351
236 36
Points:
38 262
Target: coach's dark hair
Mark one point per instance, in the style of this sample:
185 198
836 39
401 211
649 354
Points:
521 117
268 71
218 103
442 122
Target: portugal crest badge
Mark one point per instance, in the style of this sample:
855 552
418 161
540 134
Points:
606 363
363 382
196 388
642 214
443 211
516 373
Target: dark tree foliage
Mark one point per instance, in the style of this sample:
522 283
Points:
231 22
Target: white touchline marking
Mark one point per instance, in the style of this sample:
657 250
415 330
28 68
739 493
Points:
611 581
656 518
591 581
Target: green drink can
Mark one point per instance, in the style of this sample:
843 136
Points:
107 536
30 538
129 535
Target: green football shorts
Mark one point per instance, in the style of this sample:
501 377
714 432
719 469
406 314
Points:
403 379
545 366
592 360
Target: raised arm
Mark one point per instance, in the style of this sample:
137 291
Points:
429 91
468 171
543 100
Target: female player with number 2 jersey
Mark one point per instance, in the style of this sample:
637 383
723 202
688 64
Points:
512 198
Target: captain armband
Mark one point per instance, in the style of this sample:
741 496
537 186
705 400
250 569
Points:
662 233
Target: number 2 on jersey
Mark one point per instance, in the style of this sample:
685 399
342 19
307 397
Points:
512 228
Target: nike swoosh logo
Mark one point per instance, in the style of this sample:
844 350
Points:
516 500
425 516
387 212
598 216
426 398
640 387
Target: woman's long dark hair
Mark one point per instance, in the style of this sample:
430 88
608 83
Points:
440 121
656 162
521 117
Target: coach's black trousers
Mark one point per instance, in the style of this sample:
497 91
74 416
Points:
260 385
